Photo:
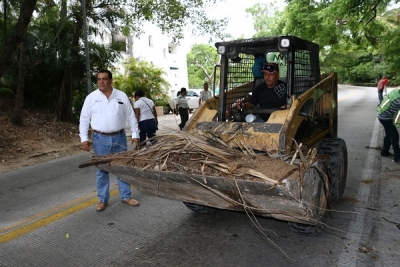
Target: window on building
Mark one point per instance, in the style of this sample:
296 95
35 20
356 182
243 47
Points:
119 42
150 41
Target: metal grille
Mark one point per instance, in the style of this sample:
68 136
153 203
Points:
304 75
239 74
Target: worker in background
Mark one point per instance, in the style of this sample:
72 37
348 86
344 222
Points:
389 117
205 94
182 108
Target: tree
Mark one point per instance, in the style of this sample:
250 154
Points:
266 19
13 41
145 76
170 16
351 34
17 117
201 61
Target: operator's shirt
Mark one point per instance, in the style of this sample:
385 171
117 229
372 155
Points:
107 115
266 97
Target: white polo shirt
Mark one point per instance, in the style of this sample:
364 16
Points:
107 115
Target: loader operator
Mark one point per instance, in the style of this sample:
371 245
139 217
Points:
271 94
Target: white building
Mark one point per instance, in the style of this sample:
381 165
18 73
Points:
157 48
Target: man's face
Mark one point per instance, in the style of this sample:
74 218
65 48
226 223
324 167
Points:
104 82
205 87
271 78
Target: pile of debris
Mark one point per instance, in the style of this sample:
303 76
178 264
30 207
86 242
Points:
197 155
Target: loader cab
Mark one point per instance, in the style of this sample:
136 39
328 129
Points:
298 62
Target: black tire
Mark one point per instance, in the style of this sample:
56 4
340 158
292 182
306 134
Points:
199 208
303 229
334 154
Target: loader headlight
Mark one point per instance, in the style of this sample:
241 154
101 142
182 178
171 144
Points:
221 50
285 43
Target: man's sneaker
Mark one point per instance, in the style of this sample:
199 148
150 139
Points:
396 159
386 154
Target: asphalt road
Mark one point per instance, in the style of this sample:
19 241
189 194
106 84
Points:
48 217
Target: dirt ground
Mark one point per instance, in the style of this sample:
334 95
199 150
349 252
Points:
40 139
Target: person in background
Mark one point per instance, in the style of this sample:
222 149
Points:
107 110
380 88
272 94
205 94
182 108
146 115
389 117
385 85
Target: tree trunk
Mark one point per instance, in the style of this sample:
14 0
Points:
63 11
12 42
64 104
17 117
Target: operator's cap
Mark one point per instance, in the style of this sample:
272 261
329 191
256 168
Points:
270 67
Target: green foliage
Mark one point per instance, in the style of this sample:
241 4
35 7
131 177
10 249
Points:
201 61
51 32
145 76
357 39
267 19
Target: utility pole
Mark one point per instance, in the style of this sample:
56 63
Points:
88 76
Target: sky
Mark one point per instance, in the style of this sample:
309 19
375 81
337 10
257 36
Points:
240 23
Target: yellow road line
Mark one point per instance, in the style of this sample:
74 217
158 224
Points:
353 92
23 227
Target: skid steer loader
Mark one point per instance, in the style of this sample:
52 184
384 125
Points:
292 167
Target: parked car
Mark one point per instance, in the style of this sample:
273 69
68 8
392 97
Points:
193 101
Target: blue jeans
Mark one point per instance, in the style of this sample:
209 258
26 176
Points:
380 95
104 145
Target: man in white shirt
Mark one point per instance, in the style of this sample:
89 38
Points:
205 94
108 110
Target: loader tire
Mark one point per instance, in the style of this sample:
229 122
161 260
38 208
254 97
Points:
336 164
303 229
199 208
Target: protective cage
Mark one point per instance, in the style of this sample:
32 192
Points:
298 62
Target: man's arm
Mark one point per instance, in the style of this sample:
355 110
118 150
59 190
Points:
155 114
133 123
84 122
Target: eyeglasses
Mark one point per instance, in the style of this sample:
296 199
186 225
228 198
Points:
271 68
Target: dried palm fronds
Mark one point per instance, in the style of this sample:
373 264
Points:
202 156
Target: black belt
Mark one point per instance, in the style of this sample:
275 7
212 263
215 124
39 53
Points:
109 134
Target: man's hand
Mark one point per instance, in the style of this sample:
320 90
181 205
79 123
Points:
136 142
86 145
239 105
